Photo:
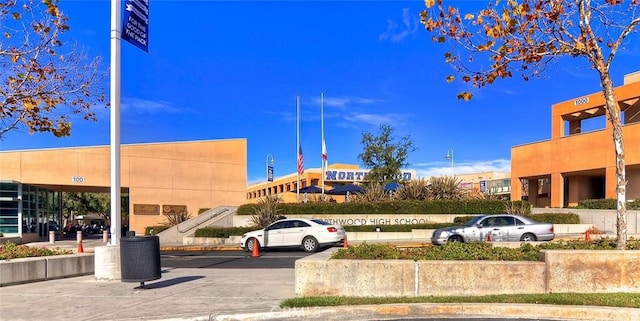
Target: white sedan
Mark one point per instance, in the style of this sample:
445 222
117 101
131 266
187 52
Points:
310 234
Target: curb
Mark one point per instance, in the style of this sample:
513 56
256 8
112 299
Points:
200 248
439 311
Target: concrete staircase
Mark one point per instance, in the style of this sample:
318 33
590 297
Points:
219 216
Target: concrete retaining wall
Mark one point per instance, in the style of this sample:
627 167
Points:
45 268
604 220
592 271
560 271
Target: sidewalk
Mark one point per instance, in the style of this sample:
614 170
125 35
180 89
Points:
234 294
181 294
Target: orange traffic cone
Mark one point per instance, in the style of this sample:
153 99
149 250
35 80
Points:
587 236
489 237
80 249
345 244
256 251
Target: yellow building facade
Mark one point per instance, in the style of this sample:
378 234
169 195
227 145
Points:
335 175
159 178
578 162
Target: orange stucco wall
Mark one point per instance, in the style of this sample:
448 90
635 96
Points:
580 156
198 174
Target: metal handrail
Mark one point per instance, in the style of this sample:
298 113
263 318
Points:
197 221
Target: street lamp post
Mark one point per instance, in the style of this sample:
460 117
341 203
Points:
270 162
449 156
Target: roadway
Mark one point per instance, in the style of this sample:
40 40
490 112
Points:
272 259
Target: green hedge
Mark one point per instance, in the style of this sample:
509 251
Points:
392 207
606 204
395 228
153 230
223 231
472 251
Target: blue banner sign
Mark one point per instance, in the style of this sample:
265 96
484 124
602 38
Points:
135 23
270 173
358 175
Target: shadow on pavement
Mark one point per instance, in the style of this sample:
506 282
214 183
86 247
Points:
167 283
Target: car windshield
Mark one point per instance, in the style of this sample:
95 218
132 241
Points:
321 222
473 221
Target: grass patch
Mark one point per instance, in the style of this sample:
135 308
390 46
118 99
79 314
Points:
623 300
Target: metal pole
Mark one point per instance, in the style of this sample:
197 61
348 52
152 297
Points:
449 156
272 161
451 161
115 120
323 169
297 147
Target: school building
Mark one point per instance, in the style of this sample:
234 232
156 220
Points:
159 179
578 162
286 187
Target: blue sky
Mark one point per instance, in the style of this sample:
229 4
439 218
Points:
233 69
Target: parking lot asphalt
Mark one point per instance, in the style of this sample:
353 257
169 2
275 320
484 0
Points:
235 294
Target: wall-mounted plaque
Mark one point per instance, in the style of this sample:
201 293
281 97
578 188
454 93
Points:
174 209
146 209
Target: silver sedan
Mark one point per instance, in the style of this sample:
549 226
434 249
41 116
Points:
495 228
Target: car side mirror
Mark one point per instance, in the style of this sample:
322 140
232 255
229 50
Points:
478 224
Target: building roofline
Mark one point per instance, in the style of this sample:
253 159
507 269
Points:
129 144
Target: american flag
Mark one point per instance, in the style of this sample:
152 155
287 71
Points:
300 160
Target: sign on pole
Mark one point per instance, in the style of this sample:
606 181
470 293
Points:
135 25
270 173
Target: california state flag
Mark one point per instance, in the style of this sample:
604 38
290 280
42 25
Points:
324 152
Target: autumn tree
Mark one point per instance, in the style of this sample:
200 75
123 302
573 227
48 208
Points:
43 81
384 156
523 37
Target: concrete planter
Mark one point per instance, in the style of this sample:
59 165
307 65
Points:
559 271
35 269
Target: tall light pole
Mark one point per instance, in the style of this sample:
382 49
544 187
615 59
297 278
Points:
449 156
270 162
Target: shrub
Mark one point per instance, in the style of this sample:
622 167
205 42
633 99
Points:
174 219
412 190
556 218
373 193
468 206
553 218
222 232
10 250
267 211
599 204
473 251
445 188
153 230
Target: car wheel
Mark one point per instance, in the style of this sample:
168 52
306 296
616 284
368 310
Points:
248 247
310 244
528 237
455 238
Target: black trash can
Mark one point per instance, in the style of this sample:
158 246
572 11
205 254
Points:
140 259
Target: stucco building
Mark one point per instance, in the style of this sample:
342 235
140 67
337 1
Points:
578 162
336 174
159 178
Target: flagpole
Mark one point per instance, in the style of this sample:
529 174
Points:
322 142
115 122
297 147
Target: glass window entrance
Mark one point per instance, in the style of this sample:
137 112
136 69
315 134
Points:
26 209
